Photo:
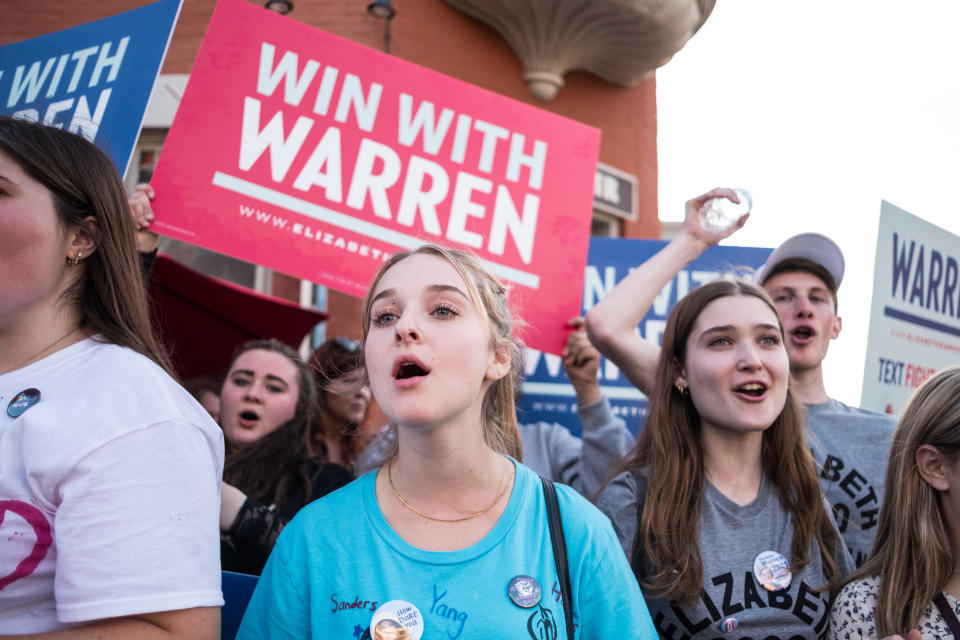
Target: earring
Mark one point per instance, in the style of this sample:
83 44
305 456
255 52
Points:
681 387
75 261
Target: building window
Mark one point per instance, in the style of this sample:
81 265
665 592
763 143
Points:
604 224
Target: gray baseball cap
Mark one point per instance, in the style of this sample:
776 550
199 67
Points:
814 247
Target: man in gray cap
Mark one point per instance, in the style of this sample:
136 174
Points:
802 276
851 445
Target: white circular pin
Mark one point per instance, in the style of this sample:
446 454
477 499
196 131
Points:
396 620
772 570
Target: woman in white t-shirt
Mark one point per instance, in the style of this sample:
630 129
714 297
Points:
95 435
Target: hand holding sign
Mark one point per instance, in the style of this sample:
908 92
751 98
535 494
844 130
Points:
142 213
581 363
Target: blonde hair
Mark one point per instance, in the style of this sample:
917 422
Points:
912 553
489 296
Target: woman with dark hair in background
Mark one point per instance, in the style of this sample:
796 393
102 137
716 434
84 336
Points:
96 438
267 406
343 398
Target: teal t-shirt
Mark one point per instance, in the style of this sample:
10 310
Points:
338 561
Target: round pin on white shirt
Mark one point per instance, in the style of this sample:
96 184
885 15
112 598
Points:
396 619
23 401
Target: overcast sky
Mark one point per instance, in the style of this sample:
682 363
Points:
820 109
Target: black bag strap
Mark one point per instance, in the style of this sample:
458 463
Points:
559 551
948 615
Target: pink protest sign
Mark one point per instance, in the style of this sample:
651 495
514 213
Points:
316 156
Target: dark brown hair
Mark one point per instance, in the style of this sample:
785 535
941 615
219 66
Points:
83 183
330 361
336 358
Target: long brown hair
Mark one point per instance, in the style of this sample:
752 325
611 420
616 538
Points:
332 360
83 182
669 455
274 467
498 411
912 554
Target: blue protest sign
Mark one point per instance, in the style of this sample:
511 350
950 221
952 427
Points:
94 79
547 393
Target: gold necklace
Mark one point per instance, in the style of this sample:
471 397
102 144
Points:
422 514
46 348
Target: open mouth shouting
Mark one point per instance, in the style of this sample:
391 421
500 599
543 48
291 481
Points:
752 390
248 418
802 335
409 371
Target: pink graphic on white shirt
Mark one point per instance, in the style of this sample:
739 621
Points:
41 528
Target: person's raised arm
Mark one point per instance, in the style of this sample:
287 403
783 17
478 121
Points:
612 322
581 363
605 436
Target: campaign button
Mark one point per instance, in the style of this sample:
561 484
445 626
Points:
727 625
524 591
396 619
772 570
23 401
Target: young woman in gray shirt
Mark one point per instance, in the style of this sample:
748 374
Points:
719 506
